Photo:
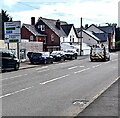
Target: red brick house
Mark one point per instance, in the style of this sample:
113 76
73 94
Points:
29 32
53 30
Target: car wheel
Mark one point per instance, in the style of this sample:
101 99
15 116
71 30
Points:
16 66
45 62
91 60
62 59
51 61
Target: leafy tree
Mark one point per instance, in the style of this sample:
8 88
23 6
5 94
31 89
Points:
5 18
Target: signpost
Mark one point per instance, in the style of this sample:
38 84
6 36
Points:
12 31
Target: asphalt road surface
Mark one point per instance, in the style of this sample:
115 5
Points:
62 89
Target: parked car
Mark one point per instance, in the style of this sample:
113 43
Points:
8 60
71 54
99 54
41 58
29 54
58 55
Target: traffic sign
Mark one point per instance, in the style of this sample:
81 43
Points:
12 31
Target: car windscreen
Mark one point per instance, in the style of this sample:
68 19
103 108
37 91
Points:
97 50
36 54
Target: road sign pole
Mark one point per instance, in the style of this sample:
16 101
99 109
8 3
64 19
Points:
18 51
8 46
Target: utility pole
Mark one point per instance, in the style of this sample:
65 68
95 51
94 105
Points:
81 37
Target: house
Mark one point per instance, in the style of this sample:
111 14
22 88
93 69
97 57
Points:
53 30
87 37
110 31
29 32
106 34
72 36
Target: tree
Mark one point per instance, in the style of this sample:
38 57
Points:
5 18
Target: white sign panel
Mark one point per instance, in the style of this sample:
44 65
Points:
12 31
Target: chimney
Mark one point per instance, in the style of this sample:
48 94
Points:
58 24
86 26
32 20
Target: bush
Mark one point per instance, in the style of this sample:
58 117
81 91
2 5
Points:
118 44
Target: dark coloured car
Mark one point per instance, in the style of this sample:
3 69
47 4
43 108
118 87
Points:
41 58
58 55
8 60
29 54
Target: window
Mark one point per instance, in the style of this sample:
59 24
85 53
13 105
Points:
31 38
73 38
52 37
41 27
70 38
63 39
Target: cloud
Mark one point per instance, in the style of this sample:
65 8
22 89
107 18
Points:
10 3
71 12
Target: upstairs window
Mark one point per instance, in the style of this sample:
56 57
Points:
41 27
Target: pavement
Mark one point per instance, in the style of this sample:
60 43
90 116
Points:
105 105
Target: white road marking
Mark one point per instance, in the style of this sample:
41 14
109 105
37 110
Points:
11 77
82 70
53 79
15 92
96 66
42 68
82 66
72 67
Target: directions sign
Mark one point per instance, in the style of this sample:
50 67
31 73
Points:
12 31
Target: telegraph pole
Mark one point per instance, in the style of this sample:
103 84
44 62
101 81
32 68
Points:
81 37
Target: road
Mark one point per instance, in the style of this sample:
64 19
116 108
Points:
62 89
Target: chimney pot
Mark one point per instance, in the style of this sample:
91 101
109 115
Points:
58 24
32 20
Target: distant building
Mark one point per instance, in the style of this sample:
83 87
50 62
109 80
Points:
52 28
106 34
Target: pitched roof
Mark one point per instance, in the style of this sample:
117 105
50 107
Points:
52 25
94 26
101 36
33 30
107 29
91 35
67 28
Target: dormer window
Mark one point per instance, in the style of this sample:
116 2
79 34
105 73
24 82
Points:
41 27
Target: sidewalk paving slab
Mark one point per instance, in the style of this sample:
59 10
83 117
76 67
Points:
105 106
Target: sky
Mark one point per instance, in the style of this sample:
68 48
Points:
96 12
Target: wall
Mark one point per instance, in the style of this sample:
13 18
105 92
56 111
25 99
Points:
27 46
88 40
25 34
72 33
50 35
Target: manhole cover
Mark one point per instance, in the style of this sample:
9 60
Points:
80 102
